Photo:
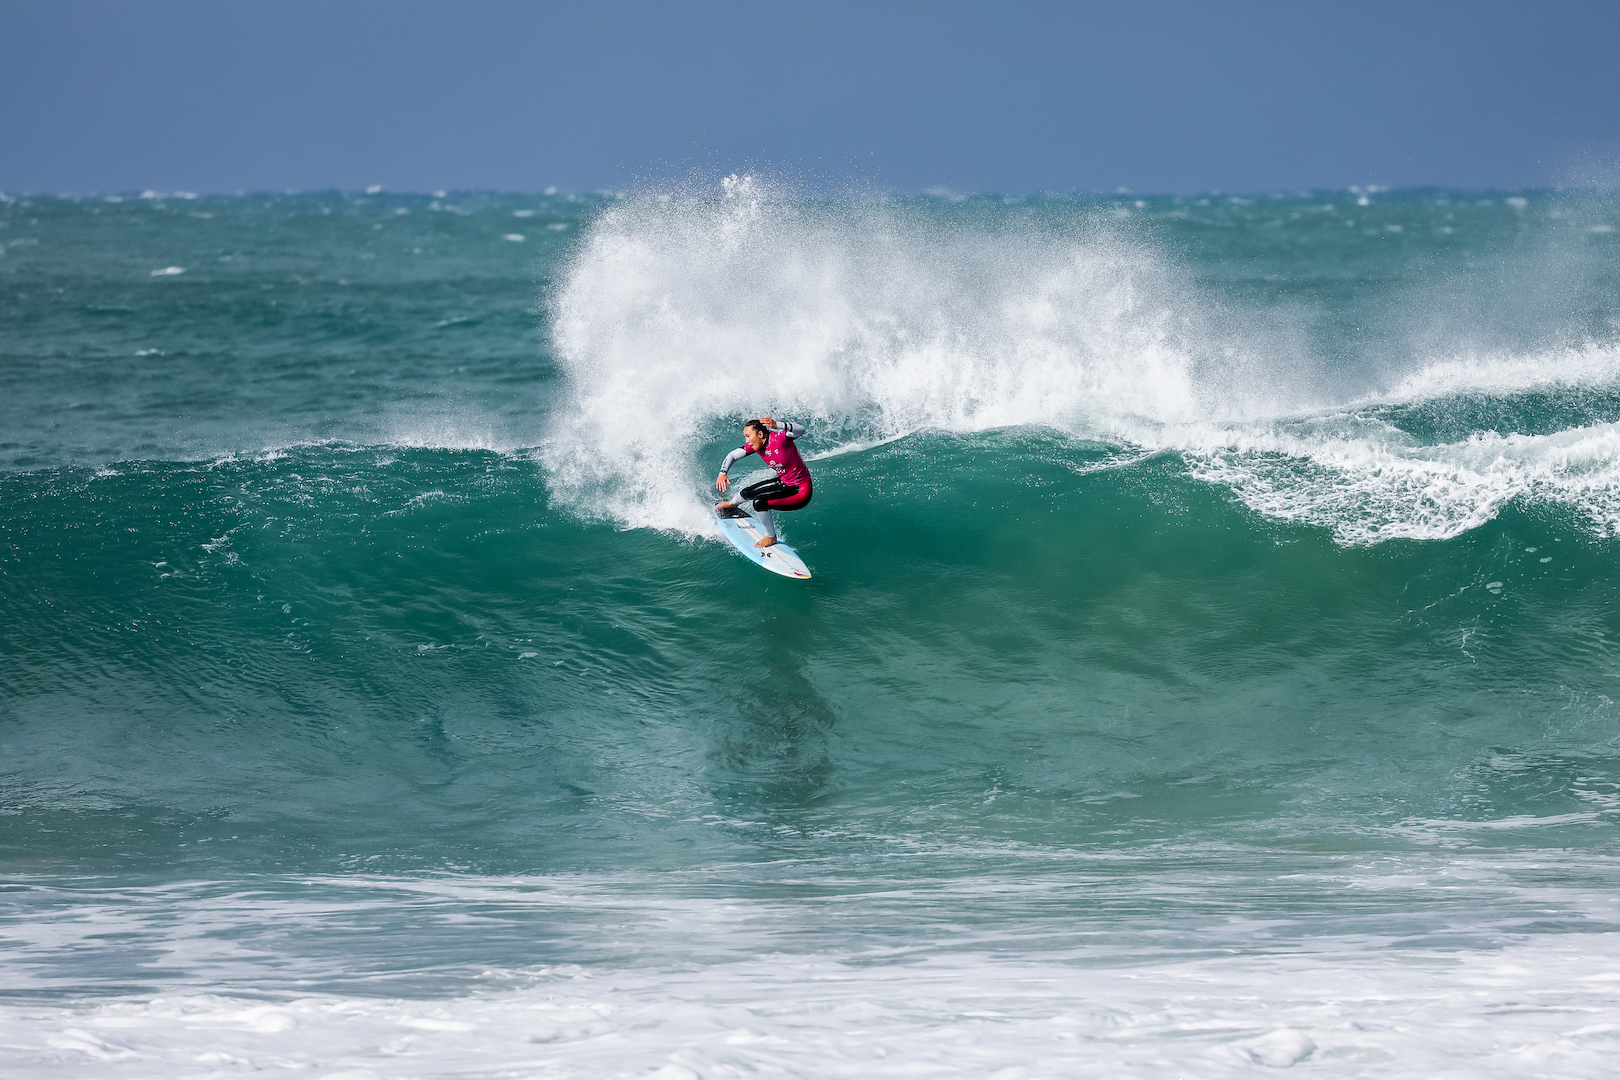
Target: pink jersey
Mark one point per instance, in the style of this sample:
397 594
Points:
781 455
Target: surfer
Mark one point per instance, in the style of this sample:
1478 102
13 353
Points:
789 489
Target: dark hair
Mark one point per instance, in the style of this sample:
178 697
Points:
759 426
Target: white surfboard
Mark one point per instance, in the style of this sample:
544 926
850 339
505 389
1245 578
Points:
744 533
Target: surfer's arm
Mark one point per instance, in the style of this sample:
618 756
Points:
786 427
731 459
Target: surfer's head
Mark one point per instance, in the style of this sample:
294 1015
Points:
755 433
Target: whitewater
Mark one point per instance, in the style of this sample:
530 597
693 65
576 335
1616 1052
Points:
1208 667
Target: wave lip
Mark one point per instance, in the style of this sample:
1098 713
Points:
1359 474
1366 490
1506 373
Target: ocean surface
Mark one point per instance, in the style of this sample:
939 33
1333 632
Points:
1209 667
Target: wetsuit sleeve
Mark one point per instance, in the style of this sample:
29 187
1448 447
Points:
792 430
734 457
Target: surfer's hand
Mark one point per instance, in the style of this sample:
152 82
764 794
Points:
720 481
767 421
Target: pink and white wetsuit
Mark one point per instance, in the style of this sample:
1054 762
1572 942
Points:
790 489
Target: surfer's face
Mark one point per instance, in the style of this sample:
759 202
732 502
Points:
754 438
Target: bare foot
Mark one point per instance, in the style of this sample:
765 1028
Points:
766 541
727 505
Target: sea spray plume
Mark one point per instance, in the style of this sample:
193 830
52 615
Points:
680 313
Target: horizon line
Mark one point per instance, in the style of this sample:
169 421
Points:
941 191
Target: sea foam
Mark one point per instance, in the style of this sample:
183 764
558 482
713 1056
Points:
738 997
681 314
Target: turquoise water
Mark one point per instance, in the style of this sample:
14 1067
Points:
1208 662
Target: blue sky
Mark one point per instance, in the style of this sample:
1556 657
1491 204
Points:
220 96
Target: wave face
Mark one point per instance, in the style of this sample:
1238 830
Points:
1208 661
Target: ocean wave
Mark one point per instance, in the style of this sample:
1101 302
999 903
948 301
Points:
680 315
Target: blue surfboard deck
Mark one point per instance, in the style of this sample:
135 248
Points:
779 558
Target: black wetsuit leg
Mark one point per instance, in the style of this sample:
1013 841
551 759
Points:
766 490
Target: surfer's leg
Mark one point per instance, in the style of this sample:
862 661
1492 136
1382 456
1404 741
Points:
781 497
764 492
791 498
764 495
770 495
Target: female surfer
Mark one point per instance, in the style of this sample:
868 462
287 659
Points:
789 489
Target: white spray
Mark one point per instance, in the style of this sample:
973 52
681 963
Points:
678 316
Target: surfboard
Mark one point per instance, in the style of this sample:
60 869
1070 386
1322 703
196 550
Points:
739 526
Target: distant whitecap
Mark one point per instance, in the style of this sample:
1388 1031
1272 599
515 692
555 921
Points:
169 271
515 237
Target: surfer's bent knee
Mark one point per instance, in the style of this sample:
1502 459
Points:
778 496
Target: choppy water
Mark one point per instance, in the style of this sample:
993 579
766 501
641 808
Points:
1208 664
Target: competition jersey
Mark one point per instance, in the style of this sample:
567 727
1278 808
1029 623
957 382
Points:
780 454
